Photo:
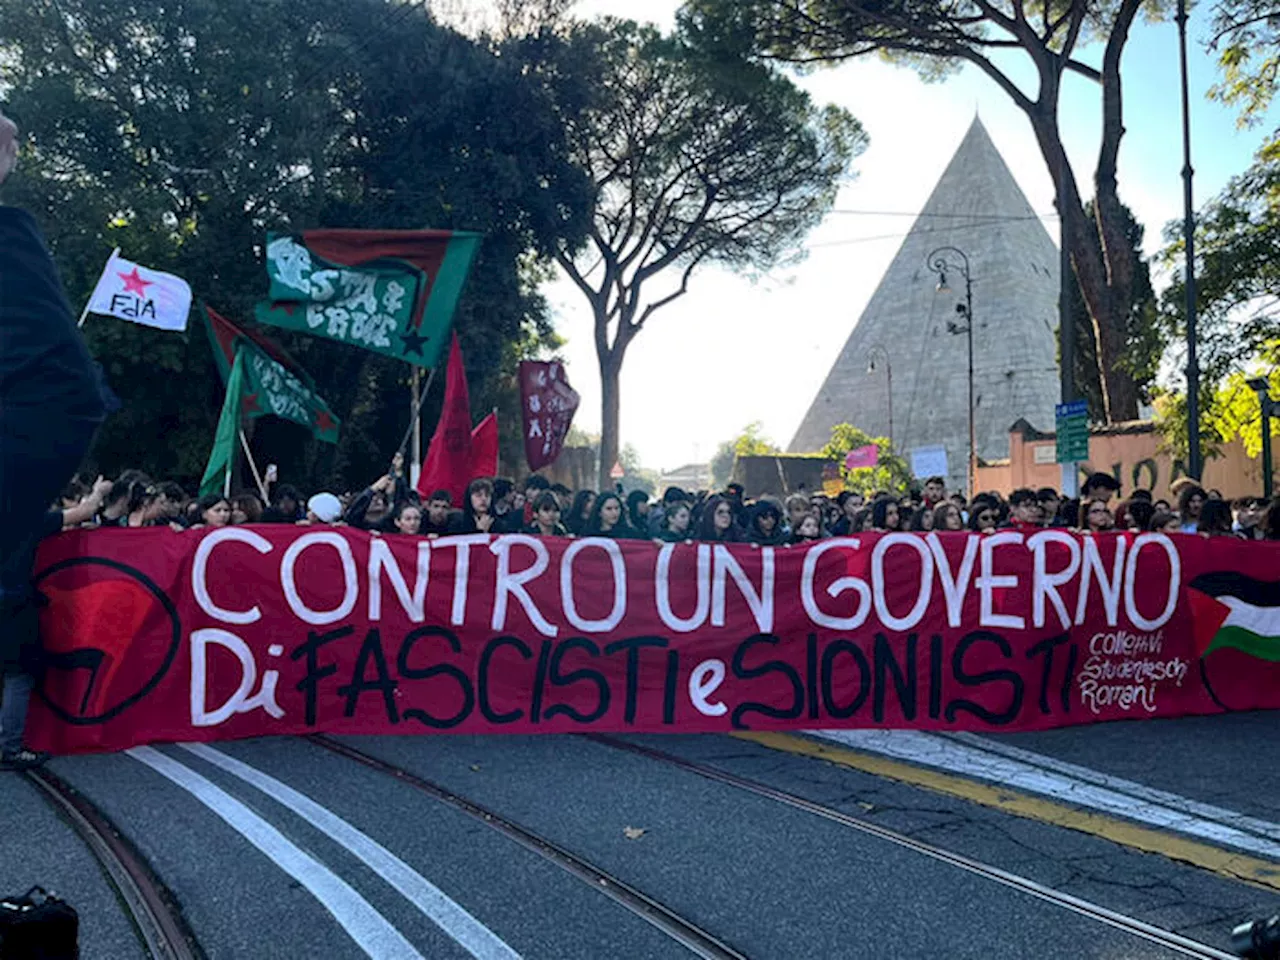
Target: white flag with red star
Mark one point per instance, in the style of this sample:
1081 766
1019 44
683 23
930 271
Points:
144 296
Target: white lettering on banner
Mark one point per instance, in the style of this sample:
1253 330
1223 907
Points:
837 587
351 587
512 584
200 570
862 586
619 585
703 682
382 559
1044 584
1124 670
1091 566
1131 578
461 571
240 701
924 591
662 589
954 587
322 285
1125 644
761 603
988 582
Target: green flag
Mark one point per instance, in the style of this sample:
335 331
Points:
393 292
258 385
224 441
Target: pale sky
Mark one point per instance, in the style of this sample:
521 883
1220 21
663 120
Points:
731 352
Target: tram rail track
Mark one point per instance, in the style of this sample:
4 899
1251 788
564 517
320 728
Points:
152 908
1167 939
698 941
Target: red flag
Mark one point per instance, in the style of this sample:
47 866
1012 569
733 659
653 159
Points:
548 404
447 465
484 447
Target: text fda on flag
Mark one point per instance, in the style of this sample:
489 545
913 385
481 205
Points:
130 292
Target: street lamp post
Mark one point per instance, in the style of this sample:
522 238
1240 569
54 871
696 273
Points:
939 264
1269 407
1195 455
872 354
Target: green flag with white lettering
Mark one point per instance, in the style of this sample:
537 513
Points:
258 385
390 291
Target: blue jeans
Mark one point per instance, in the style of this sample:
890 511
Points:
13 709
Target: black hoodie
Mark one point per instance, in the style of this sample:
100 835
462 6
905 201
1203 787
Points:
756 535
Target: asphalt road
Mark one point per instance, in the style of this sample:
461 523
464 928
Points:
281 848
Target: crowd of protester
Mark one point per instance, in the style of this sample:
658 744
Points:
542 508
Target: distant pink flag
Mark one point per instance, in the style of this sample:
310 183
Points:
862 457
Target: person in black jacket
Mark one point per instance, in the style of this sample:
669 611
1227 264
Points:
477 514
717 523
766 528
435 514
608 519
546 517
51 405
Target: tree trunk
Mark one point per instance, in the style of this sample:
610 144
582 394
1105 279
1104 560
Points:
610 403
1105 287
1120 390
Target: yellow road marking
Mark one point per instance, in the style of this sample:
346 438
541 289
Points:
1237 866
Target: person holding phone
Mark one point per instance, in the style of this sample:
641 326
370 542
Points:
51 405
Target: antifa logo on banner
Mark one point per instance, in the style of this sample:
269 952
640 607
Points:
101 614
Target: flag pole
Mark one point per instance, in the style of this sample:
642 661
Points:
415 414
84 314
257 477
416 410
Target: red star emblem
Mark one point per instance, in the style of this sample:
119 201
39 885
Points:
324 422
249 404
133 283
288 306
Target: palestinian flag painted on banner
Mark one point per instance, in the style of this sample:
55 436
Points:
390 291
1235 610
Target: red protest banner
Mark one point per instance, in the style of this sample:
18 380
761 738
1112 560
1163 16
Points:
548 404
246 631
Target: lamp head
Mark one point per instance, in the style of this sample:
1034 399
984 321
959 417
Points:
1259 384
943 286
871 365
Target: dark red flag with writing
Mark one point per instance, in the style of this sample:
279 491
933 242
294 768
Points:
548 404
447 465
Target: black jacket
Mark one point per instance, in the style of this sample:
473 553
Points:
355 515
51 404
45 370
756 535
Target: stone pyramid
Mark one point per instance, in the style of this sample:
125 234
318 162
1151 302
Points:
978 207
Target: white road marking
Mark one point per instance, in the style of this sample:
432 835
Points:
365 925
452 918
1208 811
1224 827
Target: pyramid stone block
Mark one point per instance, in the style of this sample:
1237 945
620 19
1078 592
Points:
977 207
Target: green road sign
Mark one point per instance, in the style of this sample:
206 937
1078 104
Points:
1072 424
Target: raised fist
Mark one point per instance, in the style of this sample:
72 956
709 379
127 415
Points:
8 146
